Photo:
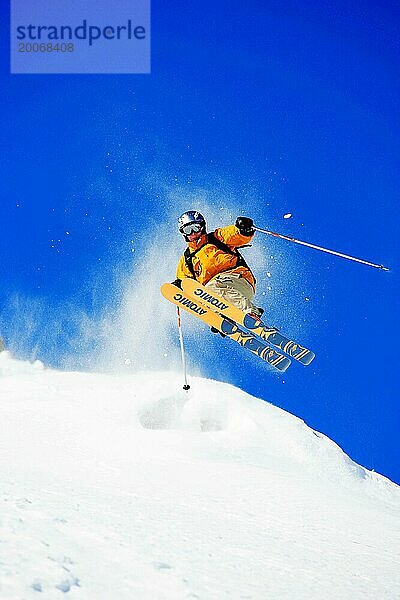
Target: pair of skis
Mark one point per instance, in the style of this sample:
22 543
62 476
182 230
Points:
251 333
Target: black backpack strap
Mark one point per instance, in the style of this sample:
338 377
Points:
189 261
212 239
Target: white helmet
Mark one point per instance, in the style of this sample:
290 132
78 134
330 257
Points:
191 222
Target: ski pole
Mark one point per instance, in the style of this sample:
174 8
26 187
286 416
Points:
186 386
291 239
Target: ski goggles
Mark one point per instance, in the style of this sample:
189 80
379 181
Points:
191 228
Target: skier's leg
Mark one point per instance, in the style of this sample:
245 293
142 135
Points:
237 290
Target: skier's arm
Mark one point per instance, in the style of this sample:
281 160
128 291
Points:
236 235
182 271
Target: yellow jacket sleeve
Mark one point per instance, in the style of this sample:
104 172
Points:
182 270
231 236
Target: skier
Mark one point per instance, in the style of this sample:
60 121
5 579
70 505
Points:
213 260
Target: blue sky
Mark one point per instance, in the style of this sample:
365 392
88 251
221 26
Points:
270 109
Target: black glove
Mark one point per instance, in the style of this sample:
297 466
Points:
245 225
178 283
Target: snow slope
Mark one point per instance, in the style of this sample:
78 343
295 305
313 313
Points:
126 488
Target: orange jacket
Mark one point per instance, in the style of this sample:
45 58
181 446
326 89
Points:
209 261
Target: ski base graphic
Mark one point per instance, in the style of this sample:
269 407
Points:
267 333
230 329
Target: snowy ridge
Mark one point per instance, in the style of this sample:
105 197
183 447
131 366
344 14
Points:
126 487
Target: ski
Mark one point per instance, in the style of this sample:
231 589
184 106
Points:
209 299
231 329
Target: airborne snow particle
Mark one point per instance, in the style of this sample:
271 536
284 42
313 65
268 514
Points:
287 216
